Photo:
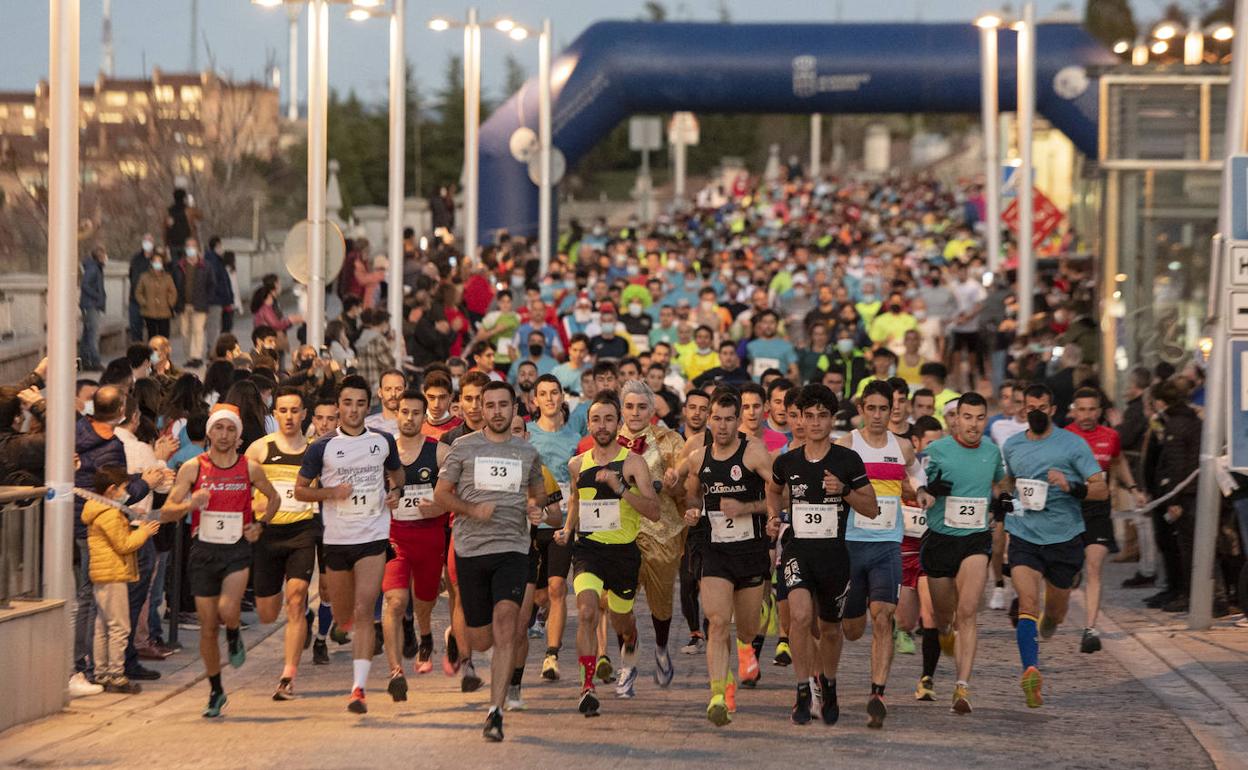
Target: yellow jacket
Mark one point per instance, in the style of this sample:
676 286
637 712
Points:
112 543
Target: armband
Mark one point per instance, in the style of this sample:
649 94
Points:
1078 490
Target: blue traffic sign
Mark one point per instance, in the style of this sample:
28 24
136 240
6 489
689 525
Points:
1237 440
1239 197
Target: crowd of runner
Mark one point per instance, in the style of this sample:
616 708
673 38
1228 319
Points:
799 411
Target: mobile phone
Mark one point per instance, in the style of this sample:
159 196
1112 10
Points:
325 352
1058 350
77 364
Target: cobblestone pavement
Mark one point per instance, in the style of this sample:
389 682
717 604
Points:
1096 714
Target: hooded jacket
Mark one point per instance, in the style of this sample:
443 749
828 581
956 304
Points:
96 447
112 542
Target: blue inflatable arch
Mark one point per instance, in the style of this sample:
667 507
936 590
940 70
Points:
616 69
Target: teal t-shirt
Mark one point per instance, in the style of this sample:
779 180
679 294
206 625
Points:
556 449
1028 462
972 472
774 349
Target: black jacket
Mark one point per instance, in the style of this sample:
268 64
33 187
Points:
1178 449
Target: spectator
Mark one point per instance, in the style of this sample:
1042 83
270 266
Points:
1178 456
91 301
140 263
222 295
21 452
339 344
231 272
195 294
156 295
374 351
536 355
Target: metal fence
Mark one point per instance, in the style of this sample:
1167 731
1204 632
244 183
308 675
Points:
21 543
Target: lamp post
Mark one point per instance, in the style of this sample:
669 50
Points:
1026 116
988 25
545 193
816 143
292 75
398 147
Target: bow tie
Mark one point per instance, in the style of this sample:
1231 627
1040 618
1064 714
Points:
637 445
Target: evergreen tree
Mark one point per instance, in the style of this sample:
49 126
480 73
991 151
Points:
1109 20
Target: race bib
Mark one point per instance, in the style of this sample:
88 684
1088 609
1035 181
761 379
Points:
286 493
915 519
360 503
220 527
409 503
504 347
815 521
887 519
1032 493
641 342
599 515
966 512
761 365
725 529
496 474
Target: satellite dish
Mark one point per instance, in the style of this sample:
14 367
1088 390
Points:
524 144
558 167
295 251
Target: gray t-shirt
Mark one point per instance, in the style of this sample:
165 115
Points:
501 473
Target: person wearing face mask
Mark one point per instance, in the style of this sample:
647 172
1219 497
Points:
157 297
869 304
702 357
140 263
846 356
536 355
889 327
1052 472
636 322
608 344
195 293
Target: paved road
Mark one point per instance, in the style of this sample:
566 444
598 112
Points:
1096 715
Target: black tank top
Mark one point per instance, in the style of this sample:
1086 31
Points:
423 471
731 478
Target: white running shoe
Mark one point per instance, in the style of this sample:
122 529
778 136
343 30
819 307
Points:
514 702
80 686
998 600
625 681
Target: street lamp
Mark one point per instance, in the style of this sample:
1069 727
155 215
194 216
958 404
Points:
1026 56
988 24
398 129
472 120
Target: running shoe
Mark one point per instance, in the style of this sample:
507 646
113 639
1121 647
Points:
122 685
663 668
356 704
537 630
1030 683
238 652
397 687
925 690
285 689
801 709
730 695
876 711
450 660
747 666
784 655
320 653
603 669
829 708
1091 641
424 658
695 645
961 700
948 642
493 726
339 634
625 681
216 703
1048 627
410 645
903 643
717 711
469 681
588 704
550 668
514 700
997 602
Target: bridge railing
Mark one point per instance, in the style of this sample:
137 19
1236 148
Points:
21 543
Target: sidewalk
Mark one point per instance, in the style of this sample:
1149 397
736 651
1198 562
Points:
1200 675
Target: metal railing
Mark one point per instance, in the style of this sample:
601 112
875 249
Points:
21 543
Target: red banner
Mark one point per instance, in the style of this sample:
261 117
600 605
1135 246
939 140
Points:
1045 217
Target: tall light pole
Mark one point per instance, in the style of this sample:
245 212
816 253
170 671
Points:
816 143
1213 436
472 130
318 161
1026 117
988 25
398 149
545 193
292 69
63 18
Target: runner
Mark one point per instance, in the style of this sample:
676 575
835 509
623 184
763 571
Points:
223 527
1098 535
1053 471
390 387
819 482
964 483
613 492
1000 431
731 551
784 652
418 539
438 392
661 542
874 543
556 443
286 550
360 480
696 411
324 422
492 482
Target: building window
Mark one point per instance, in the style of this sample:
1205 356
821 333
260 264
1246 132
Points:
116 98
28 111
110 117
191 93
4 111
164 93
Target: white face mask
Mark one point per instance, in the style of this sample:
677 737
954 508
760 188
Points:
582 316
148 245
192 252
634 308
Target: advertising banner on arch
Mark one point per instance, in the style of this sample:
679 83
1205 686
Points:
1046 217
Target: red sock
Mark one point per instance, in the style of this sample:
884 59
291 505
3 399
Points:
588 662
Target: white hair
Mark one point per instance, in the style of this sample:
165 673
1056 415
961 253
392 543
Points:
637 388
